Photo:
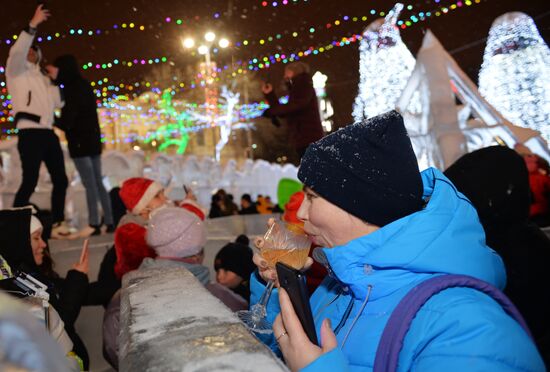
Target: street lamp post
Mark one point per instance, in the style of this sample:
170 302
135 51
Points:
211 93
204 48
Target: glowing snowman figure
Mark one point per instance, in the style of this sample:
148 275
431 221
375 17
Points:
515 75
385 65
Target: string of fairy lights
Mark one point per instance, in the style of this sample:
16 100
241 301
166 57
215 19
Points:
104 85
140 27
192 20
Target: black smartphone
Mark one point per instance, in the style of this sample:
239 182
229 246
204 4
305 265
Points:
294 283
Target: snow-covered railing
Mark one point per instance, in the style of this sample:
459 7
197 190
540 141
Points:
169 322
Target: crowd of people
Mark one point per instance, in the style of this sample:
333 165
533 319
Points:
454 260
379 228
222 205
155 232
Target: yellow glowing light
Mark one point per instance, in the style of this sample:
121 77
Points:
188 43
224 43
210 36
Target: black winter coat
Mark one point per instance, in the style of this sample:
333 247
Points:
495 179
78 118
101 292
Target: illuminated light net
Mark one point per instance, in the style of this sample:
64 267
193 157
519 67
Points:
515 75
385 66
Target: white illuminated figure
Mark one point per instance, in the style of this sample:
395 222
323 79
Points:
515 75
226 122
325 105
385 64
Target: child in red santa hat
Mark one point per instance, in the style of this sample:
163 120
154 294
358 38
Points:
141 196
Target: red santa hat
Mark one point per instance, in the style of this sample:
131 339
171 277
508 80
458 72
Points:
137 192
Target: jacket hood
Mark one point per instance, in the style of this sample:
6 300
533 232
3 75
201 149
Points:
68 69
496 180
15 239
445 237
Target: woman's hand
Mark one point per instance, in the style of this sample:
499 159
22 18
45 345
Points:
266 272
83 264
297 349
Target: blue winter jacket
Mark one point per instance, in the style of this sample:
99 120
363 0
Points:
459 329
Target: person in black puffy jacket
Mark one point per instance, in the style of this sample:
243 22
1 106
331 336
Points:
496 181
80 123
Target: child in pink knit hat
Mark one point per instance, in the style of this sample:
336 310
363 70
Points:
178 238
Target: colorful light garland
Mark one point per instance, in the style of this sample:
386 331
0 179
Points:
133 26
254 64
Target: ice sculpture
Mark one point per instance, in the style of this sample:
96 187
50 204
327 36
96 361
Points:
515 75
385 65
442 131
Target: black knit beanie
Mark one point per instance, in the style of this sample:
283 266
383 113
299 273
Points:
368 169
237 258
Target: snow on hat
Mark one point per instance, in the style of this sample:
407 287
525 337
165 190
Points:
35 224
175 232
137 192
368 169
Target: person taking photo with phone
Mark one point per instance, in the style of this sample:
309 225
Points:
391 233
34 99
24 249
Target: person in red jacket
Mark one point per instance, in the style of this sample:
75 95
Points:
301 111
141 196
539 182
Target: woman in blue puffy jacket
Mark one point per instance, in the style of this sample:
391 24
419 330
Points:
386 227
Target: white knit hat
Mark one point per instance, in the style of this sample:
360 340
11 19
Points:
35 224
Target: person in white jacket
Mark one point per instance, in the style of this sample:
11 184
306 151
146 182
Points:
34 100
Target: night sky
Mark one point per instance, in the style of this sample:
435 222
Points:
462 31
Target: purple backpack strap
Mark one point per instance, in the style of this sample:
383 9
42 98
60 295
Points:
391 342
